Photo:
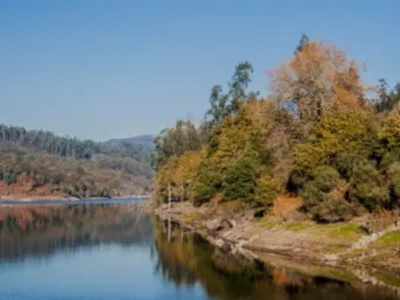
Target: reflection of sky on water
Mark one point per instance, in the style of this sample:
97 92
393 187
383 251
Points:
103 272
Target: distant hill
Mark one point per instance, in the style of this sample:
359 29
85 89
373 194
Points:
145 140
40 163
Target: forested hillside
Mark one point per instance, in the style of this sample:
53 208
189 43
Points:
321 135
72 147
38 163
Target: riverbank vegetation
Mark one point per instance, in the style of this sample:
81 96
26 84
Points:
321 136
37 163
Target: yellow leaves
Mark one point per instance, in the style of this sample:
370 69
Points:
234 139
390 132
260 114
267 190
178 173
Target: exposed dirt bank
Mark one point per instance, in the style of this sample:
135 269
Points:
362 257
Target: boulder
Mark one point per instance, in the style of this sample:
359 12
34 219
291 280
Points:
219 224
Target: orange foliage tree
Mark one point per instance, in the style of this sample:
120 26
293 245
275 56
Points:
317 80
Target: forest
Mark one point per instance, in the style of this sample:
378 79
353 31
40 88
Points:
320 135
39 163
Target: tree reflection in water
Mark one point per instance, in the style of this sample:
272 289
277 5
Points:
185 259
27 231
181 258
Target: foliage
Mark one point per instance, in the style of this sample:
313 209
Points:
332 209
316 136
318 80
175 142
337 140
38 140
102 176
387 101
389 135
224 105
267 190
366 187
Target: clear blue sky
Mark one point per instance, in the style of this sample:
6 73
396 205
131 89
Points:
105 69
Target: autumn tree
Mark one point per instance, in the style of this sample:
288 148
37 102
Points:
319 79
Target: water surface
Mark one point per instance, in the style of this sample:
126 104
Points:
114 251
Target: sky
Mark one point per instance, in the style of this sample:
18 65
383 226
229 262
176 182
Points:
104 69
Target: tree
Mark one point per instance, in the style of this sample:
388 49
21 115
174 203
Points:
319 79
223 105
175 142
304 40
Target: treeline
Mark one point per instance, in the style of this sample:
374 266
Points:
26 172
71 147
40 163
321 135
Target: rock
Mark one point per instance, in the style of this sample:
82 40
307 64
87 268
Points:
219 243
295 216
219 224
226 247
375 224
331 257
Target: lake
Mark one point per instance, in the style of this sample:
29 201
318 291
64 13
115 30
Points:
105 250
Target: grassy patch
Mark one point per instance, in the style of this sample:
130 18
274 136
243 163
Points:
190 218
345 231
298 226
390 239
389 279
269 224
343 276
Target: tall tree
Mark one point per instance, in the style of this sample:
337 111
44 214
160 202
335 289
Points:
223 105
304 40
317 80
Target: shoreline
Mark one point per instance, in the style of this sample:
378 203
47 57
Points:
51 198
294 248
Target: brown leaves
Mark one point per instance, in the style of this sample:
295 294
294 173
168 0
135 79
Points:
317 80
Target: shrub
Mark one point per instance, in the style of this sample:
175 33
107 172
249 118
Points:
326 178
394 173
239 182
205 183
396 186
389 159
332 209
345 162
311 195
366 187
389 135
267 191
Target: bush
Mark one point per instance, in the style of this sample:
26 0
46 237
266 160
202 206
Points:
366 187
389 135
389 159
394 173
239 182
345 163
267 191
313 192
326 178
205 183
311 195
332 209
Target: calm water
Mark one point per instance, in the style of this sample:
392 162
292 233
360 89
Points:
115 251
